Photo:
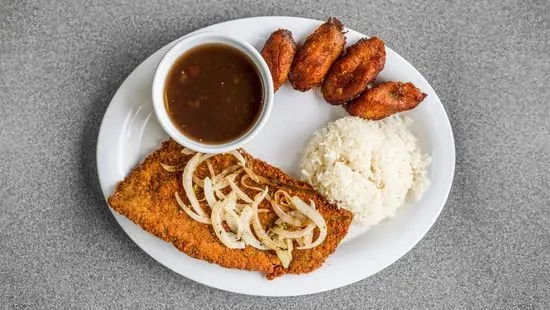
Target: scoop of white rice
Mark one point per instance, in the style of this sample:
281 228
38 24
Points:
370 168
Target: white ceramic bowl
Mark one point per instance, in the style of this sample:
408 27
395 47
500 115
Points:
180 48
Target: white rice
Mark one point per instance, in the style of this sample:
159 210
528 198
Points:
370 168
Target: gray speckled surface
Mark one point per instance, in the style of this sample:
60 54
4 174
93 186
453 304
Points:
62 62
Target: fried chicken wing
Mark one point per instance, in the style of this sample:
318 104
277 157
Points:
385 99
146 197
314 58
350 75
278 52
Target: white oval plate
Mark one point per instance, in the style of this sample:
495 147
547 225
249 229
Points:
130 131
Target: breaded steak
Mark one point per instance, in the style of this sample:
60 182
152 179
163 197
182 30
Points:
146 197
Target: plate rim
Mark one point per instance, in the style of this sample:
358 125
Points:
432 220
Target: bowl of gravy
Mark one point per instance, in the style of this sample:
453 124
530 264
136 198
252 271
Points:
212 92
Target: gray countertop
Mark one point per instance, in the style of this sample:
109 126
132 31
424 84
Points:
61 63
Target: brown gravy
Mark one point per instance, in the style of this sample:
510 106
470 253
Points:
213 93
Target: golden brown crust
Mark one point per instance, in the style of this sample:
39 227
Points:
350 75
314 58
385 100
146 197
278 52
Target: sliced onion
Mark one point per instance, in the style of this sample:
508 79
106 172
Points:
293 234
243 183
256 178
240 206
298 215
230 223
315 216
238 156
308 238
282 194
221 185
248 237
289 245
282 198
283 215
264 180
220 180
186 151
227 171
259 195
187 180
233 222
193 215
257 225
285 256
305 240
231 218
172 168
237 190
210 168
312 204
281 243
209 193
251 173
198 181
227 238
219 194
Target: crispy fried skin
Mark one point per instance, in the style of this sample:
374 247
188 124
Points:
278 52
314 58
385 99
350 75
146 197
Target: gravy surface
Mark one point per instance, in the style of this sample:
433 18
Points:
213 93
